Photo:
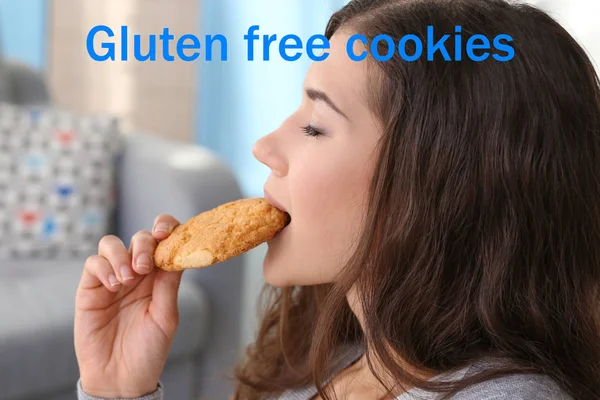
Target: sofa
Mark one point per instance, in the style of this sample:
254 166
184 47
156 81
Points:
37 358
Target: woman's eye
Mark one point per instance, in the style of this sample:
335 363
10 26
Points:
311 131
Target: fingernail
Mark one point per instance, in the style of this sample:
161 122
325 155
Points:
143 261
163 227
126 273
112 279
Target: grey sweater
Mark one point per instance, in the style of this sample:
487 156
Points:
514 387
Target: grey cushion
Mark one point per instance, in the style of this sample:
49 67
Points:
63 175
36 339
21 84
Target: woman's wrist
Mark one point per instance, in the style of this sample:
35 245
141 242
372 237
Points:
95 393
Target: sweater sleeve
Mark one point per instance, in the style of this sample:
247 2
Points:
156 395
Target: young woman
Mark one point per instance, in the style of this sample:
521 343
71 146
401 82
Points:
445 234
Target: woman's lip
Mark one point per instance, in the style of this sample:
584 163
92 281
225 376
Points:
273 202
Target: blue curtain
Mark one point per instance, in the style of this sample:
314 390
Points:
23 31
239 100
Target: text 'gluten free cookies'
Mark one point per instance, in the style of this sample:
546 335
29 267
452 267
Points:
220 234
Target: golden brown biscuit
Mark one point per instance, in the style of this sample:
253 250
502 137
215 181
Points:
219 234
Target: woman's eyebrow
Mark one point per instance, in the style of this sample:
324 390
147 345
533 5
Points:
315 94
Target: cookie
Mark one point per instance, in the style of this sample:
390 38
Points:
220 234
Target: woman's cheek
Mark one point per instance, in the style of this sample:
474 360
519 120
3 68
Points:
322 235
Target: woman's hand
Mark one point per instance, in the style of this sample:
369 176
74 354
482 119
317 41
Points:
125 315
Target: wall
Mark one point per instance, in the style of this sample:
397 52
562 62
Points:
157 97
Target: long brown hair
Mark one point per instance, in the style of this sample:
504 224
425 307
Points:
482 236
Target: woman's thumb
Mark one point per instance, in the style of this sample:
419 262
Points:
164 295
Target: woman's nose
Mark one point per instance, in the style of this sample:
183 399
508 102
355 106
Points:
268 152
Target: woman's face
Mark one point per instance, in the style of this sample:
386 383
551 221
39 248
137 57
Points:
321 181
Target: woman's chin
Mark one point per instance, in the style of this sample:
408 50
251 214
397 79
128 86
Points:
273 271
283 273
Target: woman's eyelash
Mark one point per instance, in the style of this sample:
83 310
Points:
311 131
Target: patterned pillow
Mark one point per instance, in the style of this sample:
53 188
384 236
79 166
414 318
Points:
57 181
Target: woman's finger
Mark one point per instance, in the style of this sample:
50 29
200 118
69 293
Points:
113 249
98 286
163 226
97 271
142 248
164 306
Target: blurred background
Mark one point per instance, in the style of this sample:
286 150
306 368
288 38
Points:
225 106
195 122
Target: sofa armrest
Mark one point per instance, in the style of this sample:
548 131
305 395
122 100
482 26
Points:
161 176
